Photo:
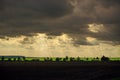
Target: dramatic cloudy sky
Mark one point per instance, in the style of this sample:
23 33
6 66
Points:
85 28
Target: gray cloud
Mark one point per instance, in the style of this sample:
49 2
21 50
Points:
23 17
111 34
37 8
1 5
99 11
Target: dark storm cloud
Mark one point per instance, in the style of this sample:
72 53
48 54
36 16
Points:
99 11
112 33
1 5
21 17
37 8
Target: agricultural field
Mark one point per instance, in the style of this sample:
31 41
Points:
53 59
81 59
67 68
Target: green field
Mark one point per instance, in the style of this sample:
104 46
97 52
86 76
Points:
82 59
42 59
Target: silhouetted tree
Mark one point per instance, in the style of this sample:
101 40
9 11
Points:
50 59
104 58
2 58
87 59
47 59
58 59
9 59
78 58
72 59
97 58
65 59
24 59
14 59
19 59
35 59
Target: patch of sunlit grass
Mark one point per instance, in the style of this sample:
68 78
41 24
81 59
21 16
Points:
42 59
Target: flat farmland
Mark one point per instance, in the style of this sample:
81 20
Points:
33 70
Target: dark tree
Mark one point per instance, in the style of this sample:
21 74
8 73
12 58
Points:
9 59
104 58
14 59
87 59
72 59
78 58
58 59
47 59
2 58
50 59
24 58
19 59
97 58
65 59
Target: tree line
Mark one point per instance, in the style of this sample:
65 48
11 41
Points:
57 59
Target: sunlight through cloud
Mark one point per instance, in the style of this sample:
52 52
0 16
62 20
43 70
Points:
42 45
95 28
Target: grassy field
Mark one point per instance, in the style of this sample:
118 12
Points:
54 59
37 68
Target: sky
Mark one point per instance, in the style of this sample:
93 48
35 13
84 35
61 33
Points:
58 28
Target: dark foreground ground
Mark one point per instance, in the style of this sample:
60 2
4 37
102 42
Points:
60 70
